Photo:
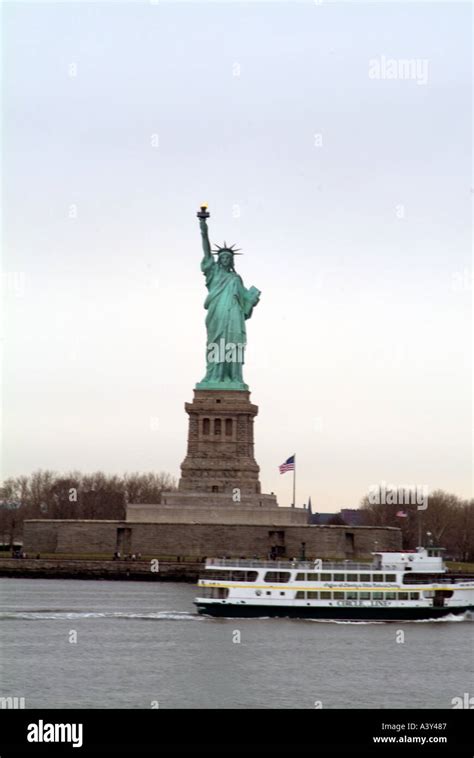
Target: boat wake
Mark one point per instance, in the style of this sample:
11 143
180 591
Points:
467 616
345 621
63 614
51 614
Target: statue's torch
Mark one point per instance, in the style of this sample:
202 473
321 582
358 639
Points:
203 212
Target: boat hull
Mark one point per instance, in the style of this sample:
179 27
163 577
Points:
229 610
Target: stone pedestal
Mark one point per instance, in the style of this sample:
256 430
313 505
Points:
220 455
219 481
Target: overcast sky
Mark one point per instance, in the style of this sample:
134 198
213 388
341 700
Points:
349 192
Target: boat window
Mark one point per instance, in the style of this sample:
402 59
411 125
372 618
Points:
268 592
313 577
377 595
277 576
300 577
390 596
414 595
299 595
415 578
364 595
377 577
364 578
282 593
325 577
220 576
338 595
217 593
315 595
403 595
243 576
428 593
351 595
390 578
325 595
338 577
352 578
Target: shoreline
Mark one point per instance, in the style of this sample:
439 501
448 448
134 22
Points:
141 570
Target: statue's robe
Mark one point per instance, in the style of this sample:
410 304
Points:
228 305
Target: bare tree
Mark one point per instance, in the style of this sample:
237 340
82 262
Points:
448 520
46 494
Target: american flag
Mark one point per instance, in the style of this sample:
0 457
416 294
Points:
288 465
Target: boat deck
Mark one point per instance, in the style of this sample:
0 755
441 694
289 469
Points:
297 564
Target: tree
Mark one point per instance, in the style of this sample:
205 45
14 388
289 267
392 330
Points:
46 494
447 522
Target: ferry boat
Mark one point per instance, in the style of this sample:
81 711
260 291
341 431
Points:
395 586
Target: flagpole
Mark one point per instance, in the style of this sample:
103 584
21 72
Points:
294 481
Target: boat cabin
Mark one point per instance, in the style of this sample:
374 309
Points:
422 559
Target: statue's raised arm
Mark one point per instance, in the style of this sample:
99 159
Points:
206 245
202 215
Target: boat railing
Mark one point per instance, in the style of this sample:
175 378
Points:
275 564
437 579
348 565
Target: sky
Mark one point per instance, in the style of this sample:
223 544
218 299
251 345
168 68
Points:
343 173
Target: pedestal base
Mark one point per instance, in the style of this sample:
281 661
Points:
220 457
196 509
219 481
222 386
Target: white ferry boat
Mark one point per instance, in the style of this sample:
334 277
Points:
396 586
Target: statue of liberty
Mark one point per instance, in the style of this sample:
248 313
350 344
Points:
229 304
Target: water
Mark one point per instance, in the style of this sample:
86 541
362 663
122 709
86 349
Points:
139 642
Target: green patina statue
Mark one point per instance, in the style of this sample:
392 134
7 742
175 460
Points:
228 305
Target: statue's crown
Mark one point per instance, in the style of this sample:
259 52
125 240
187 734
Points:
227 249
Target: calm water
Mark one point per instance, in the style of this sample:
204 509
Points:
139 642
